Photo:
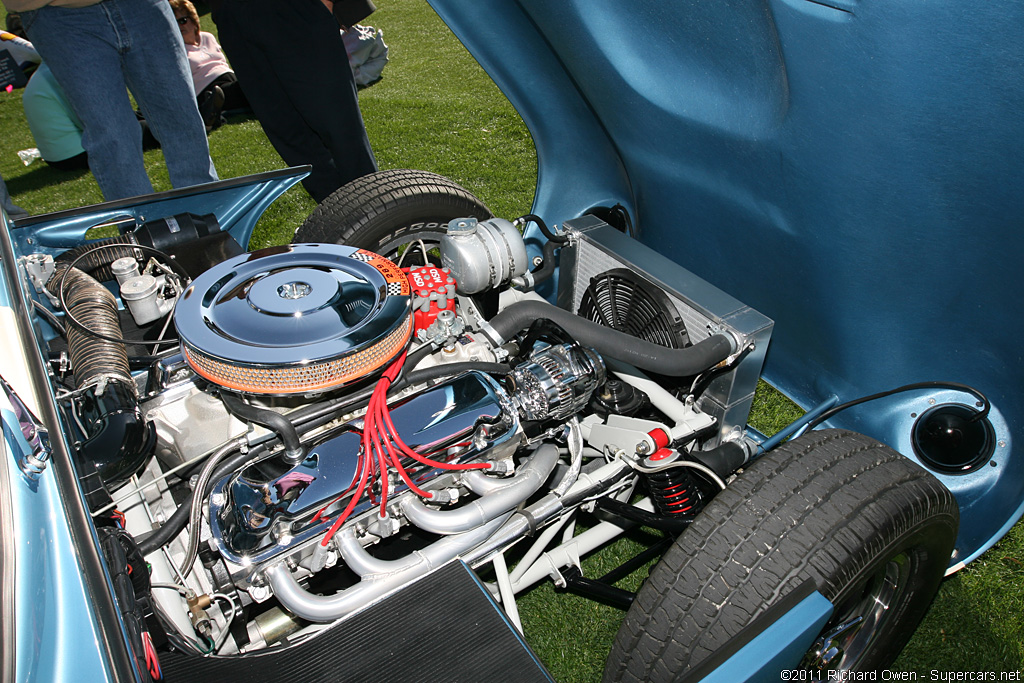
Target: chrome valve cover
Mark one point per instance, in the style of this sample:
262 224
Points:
257 516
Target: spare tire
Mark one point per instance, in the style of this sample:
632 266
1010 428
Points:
384 211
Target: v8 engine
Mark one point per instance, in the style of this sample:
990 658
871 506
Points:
322 415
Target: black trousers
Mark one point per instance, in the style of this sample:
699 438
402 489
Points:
234 96
292 66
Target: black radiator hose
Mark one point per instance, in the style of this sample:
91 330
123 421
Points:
614 344
177 521
547 268
723 459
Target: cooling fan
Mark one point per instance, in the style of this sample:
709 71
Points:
624 301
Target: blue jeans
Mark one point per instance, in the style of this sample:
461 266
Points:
98 53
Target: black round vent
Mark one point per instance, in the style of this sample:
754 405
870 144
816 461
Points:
953 438
624 301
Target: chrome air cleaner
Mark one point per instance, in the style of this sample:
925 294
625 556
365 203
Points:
301 318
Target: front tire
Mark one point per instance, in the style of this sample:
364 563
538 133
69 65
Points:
871 529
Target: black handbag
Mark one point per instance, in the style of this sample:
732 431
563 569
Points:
351 12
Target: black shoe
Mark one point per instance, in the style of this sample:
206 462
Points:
211 103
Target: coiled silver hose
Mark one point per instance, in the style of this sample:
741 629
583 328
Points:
93 359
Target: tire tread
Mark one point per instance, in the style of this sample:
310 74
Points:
355 214
822 497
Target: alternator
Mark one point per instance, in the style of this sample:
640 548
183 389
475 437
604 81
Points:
556 382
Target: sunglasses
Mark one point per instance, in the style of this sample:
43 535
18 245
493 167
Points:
183 20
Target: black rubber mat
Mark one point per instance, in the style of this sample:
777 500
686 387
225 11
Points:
443 627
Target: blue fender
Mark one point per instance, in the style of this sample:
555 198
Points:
238 204
774 643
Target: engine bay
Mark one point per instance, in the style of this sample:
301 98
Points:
286 436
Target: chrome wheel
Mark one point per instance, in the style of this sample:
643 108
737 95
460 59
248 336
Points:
858 620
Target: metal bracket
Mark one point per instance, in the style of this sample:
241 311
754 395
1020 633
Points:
31 464
624 433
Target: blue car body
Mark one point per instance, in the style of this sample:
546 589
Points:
852 169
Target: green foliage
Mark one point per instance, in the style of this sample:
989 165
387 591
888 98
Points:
436 110
977 621
771 410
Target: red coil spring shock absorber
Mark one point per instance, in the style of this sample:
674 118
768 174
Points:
674 490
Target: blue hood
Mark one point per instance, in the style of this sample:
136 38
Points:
853 169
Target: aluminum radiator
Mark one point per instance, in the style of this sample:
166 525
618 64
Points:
596 248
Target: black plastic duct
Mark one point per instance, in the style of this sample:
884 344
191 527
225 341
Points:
116 440
206 244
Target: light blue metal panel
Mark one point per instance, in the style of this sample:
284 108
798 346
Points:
780 647
65 619
578 166
238 204
985 515
850 168
57 637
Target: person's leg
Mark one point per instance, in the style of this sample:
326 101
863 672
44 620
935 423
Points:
148 139
234 98
266 62
211 104
157 73
12 209
244 27
328 98
79 162
81 49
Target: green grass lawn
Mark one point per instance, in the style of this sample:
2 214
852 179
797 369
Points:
436 110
